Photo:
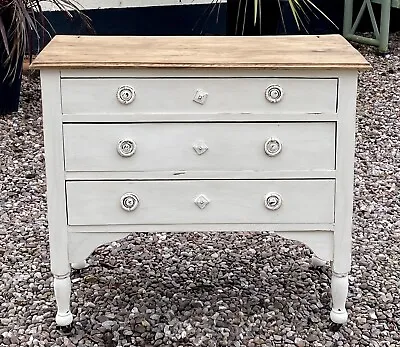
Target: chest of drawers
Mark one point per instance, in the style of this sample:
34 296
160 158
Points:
199 134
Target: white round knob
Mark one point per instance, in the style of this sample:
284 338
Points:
273 147
273 201
129 202
274 93
126 148
126 94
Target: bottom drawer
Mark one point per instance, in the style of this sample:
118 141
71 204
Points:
197 202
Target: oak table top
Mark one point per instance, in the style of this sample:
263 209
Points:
272 52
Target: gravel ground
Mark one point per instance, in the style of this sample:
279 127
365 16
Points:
201 289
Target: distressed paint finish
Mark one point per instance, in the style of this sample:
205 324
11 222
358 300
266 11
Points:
56 203
227 148
232 201
176 146
194 95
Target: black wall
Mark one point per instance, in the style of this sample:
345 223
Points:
201 19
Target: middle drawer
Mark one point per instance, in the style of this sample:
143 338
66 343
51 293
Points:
199 147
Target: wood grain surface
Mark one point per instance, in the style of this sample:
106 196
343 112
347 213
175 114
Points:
274 52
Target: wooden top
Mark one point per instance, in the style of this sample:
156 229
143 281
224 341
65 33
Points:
275 52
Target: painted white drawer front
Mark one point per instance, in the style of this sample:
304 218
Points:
207 95
199 147
212 201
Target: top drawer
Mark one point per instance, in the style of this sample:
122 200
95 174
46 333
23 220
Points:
198 95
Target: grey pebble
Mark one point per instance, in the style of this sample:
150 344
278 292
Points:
299 342
312 338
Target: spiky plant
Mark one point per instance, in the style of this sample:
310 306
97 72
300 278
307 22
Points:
22 20
299 10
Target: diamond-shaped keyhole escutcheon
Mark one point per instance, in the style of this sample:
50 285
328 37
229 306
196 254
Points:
201 201
200 147
200 97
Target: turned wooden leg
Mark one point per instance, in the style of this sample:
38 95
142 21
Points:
62 291
80 265
317 261
339 289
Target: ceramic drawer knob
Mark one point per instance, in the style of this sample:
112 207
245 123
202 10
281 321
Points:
126 148
200 147
273 146
126 94
129 202
274 93
273 201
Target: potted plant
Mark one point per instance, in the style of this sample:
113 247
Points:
20 23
